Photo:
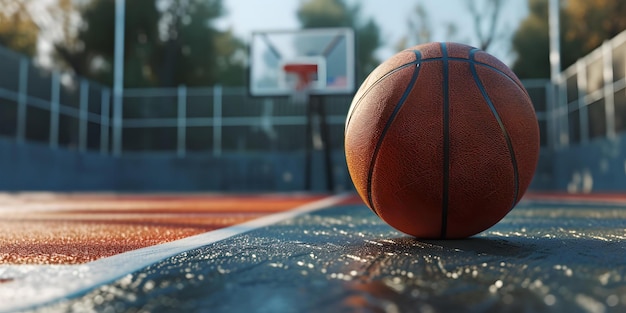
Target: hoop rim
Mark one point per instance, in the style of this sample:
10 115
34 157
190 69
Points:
304 73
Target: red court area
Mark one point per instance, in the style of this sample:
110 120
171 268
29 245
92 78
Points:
42 228
50 228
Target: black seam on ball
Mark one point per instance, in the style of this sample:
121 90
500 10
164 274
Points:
396 109
446 142
505 133
473 61
367 91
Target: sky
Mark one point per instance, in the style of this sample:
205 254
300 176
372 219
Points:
245 16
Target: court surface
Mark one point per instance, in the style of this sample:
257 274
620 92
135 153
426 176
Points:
301 253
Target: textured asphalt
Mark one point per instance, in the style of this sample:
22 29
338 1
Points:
545 256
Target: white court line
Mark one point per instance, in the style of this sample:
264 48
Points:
36 285
569 199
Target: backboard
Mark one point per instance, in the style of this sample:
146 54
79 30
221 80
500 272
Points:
330 49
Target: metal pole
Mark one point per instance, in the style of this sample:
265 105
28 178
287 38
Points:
118 76
182 119
83 115
105 123
609 92
22 100
555 66
54 110
217 120
308 148
555 44
324 133
581 103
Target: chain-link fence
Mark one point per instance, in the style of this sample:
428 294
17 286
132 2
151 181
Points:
592 95
62 110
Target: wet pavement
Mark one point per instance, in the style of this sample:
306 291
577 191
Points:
545 256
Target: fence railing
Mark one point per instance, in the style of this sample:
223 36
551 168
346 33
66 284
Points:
592 96
218 119
51 107
62 110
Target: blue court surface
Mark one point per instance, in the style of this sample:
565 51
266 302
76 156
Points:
550 254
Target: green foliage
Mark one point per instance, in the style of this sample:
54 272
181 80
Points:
167 43
584 26
18 31
598 20
531 43
326 13
337 13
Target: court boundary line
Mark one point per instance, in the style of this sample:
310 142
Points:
570 198
44 285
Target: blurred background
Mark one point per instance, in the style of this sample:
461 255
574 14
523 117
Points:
170 110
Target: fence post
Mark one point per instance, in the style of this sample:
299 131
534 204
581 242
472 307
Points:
54 110
118 98
22 100
556 114
217 120
83 115
609 96
182 121
118 75
105 100
552 115
581 103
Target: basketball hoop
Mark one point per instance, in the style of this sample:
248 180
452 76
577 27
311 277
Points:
304 74
307 77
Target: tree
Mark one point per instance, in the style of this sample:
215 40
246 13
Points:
231 58
337 13
420 29
167 43
191 50
485 20
598 20
584 26
18 31
531 43
484 15
90 52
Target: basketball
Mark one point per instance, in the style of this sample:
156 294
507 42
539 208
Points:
441 141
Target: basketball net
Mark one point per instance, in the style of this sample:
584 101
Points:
304 74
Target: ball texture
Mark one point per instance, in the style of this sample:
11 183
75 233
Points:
441 140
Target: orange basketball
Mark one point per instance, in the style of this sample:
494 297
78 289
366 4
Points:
441 140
